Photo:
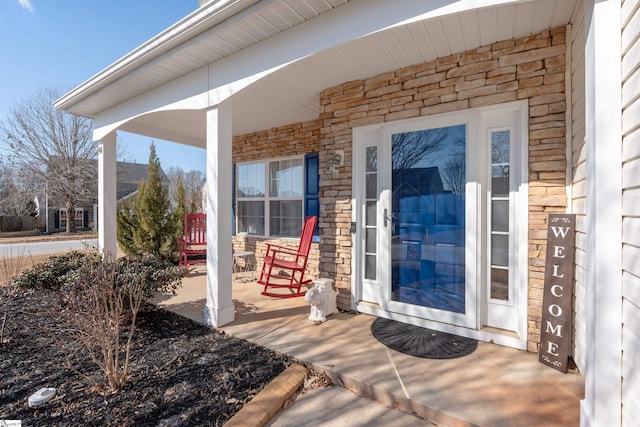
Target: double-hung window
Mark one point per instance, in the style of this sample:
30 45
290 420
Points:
270 197
78 217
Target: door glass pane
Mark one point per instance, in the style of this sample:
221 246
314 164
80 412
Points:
428 218
370 245
500 284
500 201
371 213
500 215
500 181
370 267
500 249
500 152
372 159
372 186
371 206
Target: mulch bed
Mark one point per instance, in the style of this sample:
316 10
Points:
182 373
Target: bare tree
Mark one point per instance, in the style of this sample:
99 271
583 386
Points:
453 173
18 191
54 146
411 147
193 181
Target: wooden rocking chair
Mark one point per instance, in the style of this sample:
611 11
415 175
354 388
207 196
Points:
284 267
194 240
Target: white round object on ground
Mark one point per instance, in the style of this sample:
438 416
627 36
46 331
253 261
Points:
41 397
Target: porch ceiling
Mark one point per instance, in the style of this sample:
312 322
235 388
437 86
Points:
291 94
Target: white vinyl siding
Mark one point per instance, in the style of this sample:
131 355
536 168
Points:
579 187
631 211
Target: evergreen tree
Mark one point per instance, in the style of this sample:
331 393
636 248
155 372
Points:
127 224
147 226
179 210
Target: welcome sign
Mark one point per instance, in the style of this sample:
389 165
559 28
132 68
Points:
555 334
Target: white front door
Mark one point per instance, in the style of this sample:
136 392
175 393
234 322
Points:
440 214
428 199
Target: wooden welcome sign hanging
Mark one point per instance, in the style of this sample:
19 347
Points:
555 336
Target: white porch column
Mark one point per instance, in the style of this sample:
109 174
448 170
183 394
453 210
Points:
603 368
219 309
107 195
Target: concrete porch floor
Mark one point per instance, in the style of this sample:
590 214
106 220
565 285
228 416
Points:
494 386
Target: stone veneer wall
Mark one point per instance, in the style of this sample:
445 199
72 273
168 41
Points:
530 68
290 140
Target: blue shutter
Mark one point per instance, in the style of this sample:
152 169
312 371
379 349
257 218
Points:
233 199
312 189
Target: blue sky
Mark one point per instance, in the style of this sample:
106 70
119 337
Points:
62 43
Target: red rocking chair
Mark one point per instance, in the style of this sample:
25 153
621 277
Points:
284 267
194 240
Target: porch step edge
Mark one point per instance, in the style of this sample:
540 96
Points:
390 399
258 411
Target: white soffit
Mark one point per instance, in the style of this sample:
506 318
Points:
291 94
233 25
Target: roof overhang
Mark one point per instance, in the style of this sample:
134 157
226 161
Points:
222 30
152 54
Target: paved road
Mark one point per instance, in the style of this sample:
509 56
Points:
44 248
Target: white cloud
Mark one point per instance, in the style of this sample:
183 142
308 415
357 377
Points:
27 5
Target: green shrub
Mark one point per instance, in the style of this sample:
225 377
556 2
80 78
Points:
52 273
156 274
66 271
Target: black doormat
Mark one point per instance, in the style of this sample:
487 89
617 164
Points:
421 342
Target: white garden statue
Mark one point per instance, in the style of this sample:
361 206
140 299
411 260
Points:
322 298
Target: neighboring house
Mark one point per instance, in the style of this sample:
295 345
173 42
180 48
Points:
129 177
540 104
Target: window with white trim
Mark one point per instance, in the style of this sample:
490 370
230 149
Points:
270 197
78 217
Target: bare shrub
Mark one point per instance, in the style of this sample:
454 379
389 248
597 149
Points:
100 313
10 267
